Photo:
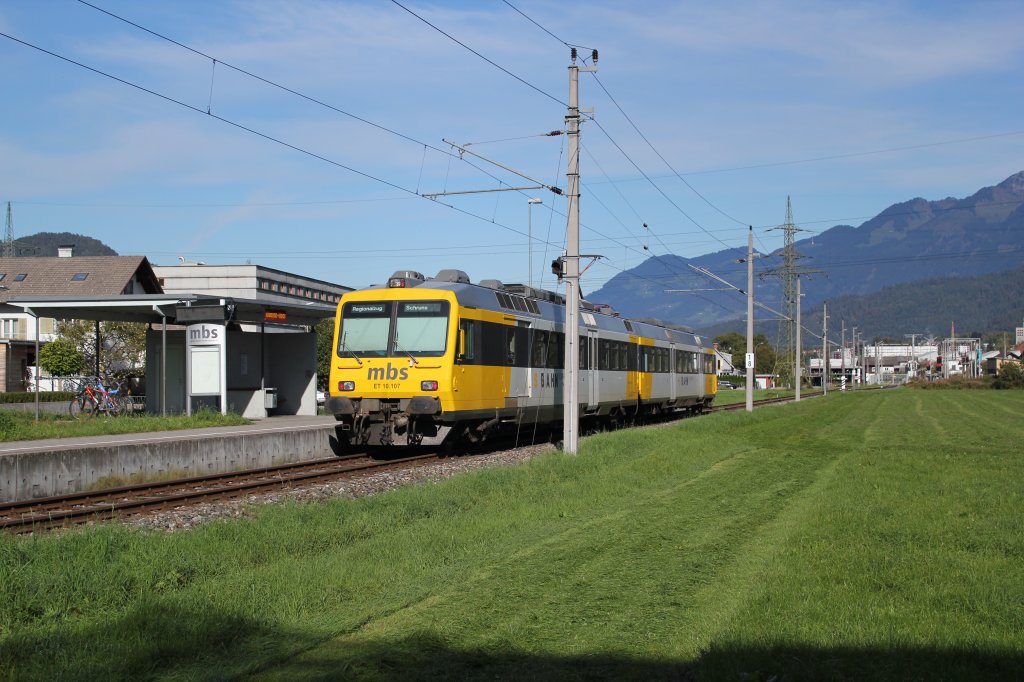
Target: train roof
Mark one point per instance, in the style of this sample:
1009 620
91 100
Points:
520 299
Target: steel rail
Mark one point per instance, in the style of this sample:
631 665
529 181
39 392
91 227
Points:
102 505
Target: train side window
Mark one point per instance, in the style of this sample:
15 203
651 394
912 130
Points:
556 350
510 346
467 340
583 352
540 348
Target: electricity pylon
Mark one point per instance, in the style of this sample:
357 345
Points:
789 272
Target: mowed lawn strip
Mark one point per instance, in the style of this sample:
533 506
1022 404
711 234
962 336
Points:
859 536
911 566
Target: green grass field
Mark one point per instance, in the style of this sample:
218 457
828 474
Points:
875 535
19 425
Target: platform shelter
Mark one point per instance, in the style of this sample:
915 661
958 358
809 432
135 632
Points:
251 356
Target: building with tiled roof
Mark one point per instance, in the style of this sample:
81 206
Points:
64 275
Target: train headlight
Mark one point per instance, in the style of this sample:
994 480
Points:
396 283
428 385
346 386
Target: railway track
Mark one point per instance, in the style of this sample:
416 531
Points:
76 508
41 514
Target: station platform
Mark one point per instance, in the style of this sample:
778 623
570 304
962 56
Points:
42 468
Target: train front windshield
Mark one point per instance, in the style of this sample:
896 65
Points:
393 328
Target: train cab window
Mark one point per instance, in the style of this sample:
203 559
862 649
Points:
421 328
365 326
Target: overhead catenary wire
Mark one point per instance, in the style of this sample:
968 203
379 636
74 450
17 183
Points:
481 56
383 128
258 133
630 159
660 156
525 16
292 91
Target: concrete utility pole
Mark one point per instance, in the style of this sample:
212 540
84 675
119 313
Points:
912 369
750 321
798 361
856 362
826 367
842 359
571 390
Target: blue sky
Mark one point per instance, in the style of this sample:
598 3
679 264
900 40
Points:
846 107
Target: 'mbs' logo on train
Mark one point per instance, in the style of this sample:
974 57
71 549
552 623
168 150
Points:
390 374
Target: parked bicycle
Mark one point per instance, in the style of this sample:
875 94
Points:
94 398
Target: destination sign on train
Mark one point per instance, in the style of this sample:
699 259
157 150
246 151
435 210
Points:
422 308
366 308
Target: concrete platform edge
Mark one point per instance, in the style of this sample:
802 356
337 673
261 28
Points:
31 475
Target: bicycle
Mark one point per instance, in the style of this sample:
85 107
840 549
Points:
94 398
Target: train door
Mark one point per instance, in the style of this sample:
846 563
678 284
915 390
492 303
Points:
516 348
672 372
593 382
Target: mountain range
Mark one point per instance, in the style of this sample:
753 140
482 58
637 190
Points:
907 242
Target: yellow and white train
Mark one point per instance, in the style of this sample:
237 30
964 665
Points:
446 359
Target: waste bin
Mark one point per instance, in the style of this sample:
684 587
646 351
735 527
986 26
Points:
269 398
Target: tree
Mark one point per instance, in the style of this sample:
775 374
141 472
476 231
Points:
765 355
1011 375
736 344
122 346
324 351
60 358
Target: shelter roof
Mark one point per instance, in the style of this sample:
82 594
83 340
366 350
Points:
156 308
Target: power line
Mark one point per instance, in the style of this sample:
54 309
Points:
660 191
627 156
664 160
258 133
262 79
489 61
292 91
520 12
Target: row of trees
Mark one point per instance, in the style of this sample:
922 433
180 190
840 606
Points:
123 352
73 352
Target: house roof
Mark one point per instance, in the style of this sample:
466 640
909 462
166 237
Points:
74 276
